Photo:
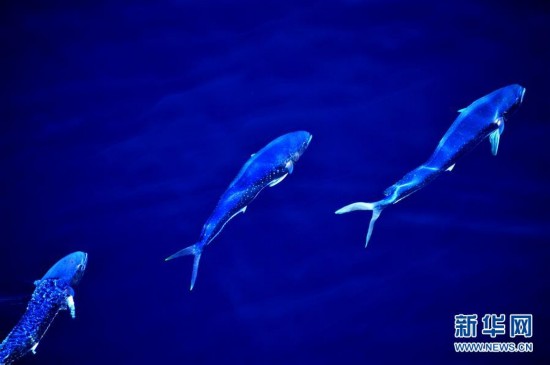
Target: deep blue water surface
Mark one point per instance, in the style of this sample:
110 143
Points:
122 122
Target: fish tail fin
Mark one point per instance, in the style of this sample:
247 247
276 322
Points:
376 210
195 250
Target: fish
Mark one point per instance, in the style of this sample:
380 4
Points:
266 168
53 293
483 119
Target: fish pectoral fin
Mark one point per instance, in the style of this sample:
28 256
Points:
450 168
33 348
70 305
289 166
494 138
461 110
500 123
276 181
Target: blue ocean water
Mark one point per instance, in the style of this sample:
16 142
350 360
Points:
123 122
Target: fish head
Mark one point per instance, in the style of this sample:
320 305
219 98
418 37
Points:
511 97
296 144
70 268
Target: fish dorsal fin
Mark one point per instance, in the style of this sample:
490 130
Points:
461 110
252 155
450 168
277 180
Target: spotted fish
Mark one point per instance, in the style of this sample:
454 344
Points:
54 292
267 167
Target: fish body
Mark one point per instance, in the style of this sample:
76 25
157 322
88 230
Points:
53 293
482 119
267 167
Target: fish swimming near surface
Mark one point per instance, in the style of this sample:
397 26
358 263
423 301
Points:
267 167
484 118
54 292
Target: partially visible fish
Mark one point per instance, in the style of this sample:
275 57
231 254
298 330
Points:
267 167
54 292
484 118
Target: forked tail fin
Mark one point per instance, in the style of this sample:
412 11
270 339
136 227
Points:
376 210
195 250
